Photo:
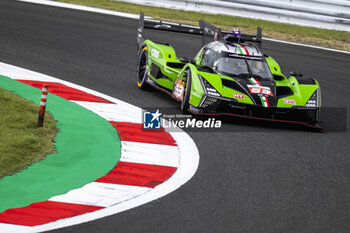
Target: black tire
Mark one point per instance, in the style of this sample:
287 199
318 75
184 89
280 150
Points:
142 69
185 103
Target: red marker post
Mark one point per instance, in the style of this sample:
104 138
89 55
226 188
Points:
43 105
216 35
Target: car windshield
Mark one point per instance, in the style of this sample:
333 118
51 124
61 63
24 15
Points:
243 67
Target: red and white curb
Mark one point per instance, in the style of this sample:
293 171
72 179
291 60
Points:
152 164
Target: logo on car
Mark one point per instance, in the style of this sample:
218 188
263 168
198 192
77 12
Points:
155 53
289 101
260 90
238 96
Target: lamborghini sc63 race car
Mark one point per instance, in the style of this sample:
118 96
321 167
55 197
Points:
229 75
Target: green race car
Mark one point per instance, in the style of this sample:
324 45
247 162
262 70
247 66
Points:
230 75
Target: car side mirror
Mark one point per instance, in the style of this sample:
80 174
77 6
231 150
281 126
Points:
296 74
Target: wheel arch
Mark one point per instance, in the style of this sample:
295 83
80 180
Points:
196 84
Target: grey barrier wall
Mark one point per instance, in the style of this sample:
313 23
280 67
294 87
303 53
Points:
329 14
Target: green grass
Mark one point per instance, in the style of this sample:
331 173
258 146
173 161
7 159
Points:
21 141
307 35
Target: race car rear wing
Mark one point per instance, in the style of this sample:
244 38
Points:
209 31
140 27
165 26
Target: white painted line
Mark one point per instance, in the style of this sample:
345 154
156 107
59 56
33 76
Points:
10 228
22 74
305 45
134 16
189 157
101 194
162 155
114 112
82 8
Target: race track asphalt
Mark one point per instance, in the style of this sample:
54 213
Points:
254 177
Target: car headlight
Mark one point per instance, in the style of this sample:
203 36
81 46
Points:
313 101
209 88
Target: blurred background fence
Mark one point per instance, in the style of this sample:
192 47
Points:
329 14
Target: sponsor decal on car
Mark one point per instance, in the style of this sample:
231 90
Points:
195 93
289 101
260 90
238 96
179 88
155 53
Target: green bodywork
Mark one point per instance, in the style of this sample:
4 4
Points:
161 55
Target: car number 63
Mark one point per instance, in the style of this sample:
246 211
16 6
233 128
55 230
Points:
179 89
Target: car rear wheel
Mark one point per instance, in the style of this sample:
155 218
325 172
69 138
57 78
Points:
185 102
142 68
